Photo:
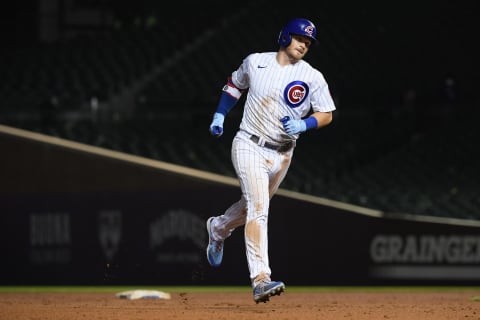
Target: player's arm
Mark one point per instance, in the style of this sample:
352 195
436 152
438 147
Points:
322 119
316 120
228 99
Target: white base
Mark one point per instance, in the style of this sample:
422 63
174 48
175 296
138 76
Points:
143 294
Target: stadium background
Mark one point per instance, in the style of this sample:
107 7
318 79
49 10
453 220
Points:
396 175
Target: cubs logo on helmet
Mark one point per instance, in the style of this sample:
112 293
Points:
310 30
295 93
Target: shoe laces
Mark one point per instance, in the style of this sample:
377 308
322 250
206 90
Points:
264 282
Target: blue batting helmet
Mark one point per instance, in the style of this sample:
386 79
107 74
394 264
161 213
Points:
303 27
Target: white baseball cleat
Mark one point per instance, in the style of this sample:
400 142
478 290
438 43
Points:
266 289
214 248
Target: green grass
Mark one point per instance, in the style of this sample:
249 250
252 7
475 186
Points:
171 289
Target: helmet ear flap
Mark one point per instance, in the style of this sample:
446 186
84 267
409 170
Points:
284 38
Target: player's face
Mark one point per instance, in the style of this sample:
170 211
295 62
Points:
298 48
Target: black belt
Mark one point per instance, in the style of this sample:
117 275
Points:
277 147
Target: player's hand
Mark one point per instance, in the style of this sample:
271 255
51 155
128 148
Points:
292 126
216 127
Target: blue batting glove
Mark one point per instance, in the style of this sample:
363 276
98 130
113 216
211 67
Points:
292 126
216 127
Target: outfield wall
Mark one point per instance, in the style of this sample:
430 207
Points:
73 214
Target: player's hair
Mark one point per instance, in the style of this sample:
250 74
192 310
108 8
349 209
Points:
299 26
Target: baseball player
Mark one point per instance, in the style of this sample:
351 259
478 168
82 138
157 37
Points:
286 97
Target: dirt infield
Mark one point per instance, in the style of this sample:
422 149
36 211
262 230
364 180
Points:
208 306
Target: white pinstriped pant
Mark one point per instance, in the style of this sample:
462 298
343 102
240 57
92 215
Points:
260 171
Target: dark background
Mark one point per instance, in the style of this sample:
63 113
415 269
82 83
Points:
391 46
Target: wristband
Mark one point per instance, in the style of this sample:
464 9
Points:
311 123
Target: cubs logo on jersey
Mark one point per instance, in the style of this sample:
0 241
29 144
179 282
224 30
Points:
295 93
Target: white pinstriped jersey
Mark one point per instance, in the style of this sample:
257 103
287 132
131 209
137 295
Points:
275 91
